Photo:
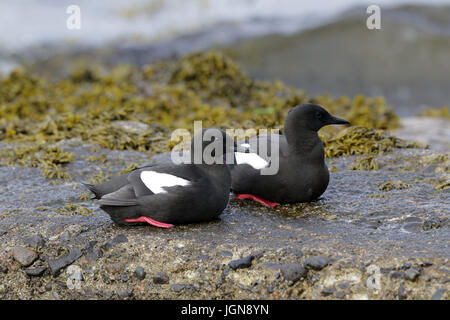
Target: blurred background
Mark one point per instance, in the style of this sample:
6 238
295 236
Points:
321 46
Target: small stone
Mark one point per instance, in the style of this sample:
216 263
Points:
135 127
202 257
24 255
225 253
293 271
94 255
3 269
177 287
35 272
344 285
412 274
242 263
65 236
89 246
160 278
407 265
396 275
438 294
413 227
124 294
34 241
2 232
339 295
115 267
317 262
140 273
297 253
57 264
119 239
402 291
124 278
328 291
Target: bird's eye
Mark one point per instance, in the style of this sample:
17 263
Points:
318 115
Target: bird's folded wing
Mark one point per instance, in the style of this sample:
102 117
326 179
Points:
125 196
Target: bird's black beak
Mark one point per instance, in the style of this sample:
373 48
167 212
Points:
335 120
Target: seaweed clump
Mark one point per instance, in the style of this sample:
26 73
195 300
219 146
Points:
51 159
71 209
126 108
443 112
396 184
366 163
361 140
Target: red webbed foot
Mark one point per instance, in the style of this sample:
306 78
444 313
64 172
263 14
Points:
257 199
150 222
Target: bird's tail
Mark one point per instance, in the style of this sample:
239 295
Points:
91 188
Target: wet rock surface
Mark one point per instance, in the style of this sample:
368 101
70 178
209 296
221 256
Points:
68 258
24 256
293 271
332 238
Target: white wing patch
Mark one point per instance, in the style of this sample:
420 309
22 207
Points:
252 159
156 181
245 145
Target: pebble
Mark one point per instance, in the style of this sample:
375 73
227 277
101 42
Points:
242 263
160 278
57 264
339 295
402 291
124 294
225 253
131 126
34 241
119 239
124 278
412 274
396 275
140 273
202 257
94 255
293 271
24 255
177 287
328 291
438 294
65 236
35 272
115 267
2 232
317 262
413 226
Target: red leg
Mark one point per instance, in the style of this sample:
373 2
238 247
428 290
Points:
257 199
150 222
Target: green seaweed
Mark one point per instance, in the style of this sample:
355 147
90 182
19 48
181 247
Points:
443 112
395 184
365 163
93 102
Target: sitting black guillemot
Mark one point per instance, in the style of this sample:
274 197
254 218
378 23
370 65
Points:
167 194
302 175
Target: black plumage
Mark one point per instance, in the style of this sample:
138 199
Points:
206 195
303 175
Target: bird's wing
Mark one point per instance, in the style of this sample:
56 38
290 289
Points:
160 179
249 151
123 197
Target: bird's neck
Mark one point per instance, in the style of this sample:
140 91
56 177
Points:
304 142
